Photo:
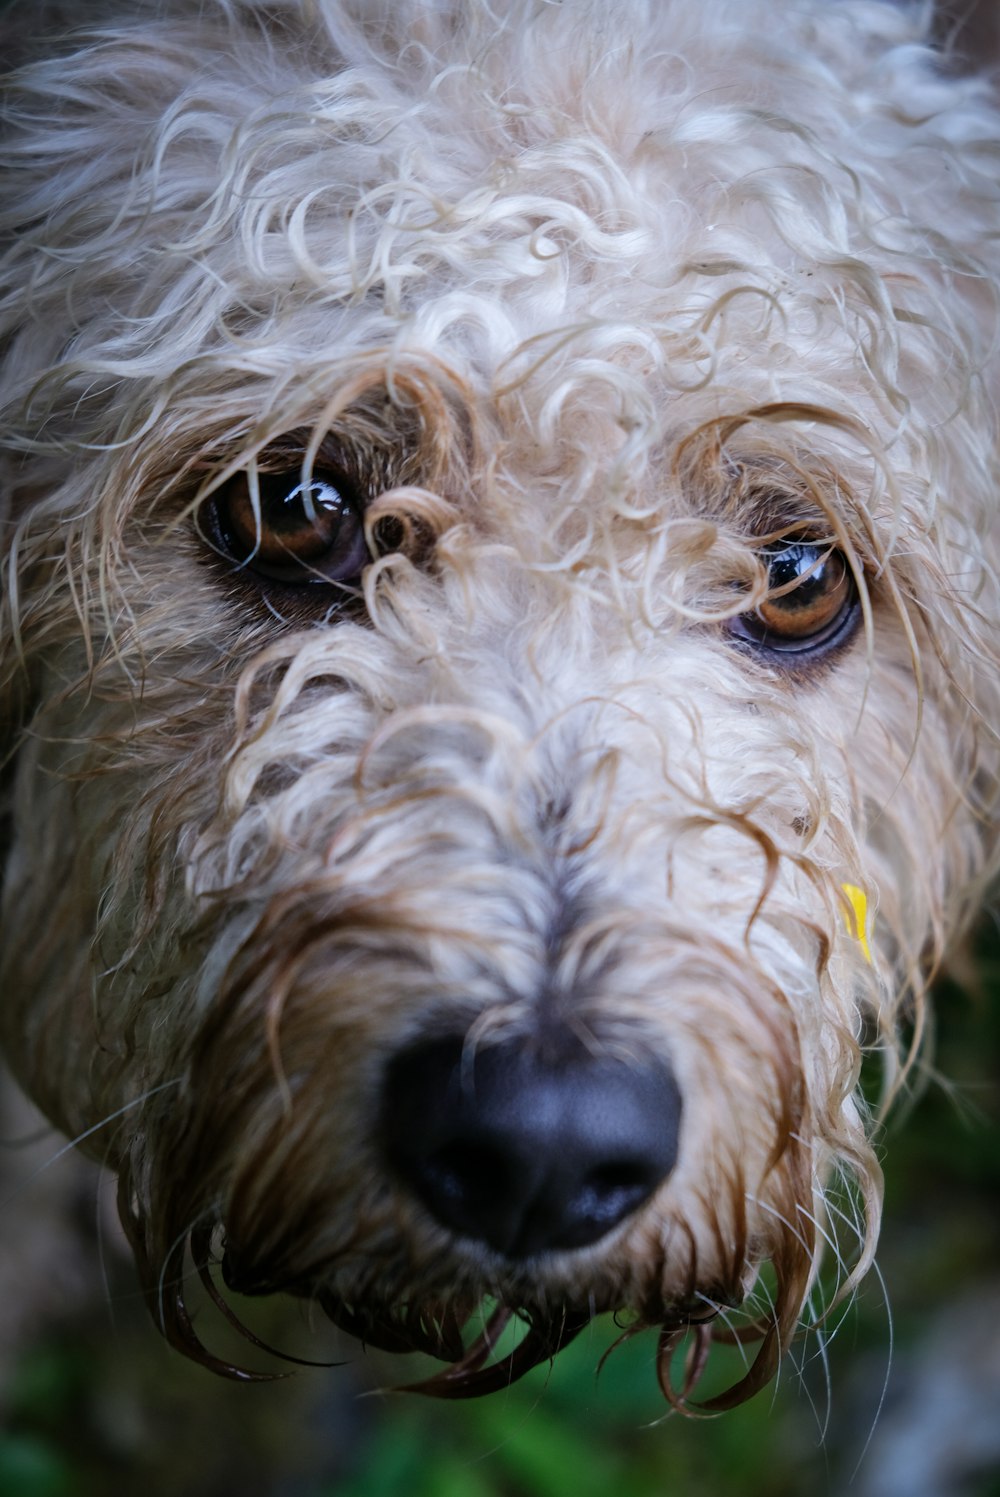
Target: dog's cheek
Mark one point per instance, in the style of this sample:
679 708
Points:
82 913
49 909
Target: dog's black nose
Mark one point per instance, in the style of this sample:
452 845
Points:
529 1154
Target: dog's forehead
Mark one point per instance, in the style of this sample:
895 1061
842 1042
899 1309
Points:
591 240
511 196
594 233
618 208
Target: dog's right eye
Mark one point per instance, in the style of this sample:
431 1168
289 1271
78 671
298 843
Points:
291 528
812 604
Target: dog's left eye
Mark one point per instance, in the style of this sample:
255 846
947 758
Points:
295 530
811 603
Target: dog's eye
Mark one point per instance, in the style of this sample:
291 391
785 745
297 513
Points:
811 602
297 530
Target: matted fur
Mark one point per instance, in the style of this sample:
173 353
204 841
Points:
592 298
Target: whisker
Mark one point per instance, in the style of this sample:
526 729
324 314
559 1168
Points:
74 1143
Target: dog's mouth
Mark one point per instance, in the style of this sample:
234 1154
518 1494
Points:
492 1356
475 1364
488 1342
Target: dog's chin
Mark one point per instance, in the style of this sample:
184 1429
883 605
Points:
493 1329
466 1338
486 1342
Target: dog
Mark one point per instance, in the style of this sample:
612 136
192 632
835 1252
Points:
499 649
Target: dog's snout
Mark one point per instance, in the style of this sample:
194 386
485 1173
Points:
526 1153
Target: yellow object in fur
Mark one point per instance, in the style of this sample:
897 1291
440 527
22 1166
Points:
858 925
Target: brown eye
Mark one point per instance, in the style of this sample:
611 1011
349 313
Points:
301 530
811 603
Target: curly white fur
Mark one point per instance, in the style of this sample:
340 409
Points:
593 289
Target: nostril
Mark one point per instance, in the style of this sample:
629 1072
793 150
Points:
529 1155
618 1176
613 1189
467 1172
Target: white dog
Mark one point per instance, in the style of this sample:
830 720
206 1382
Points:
499 647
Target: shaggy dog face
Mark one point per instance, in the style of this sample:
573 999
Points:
500 586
